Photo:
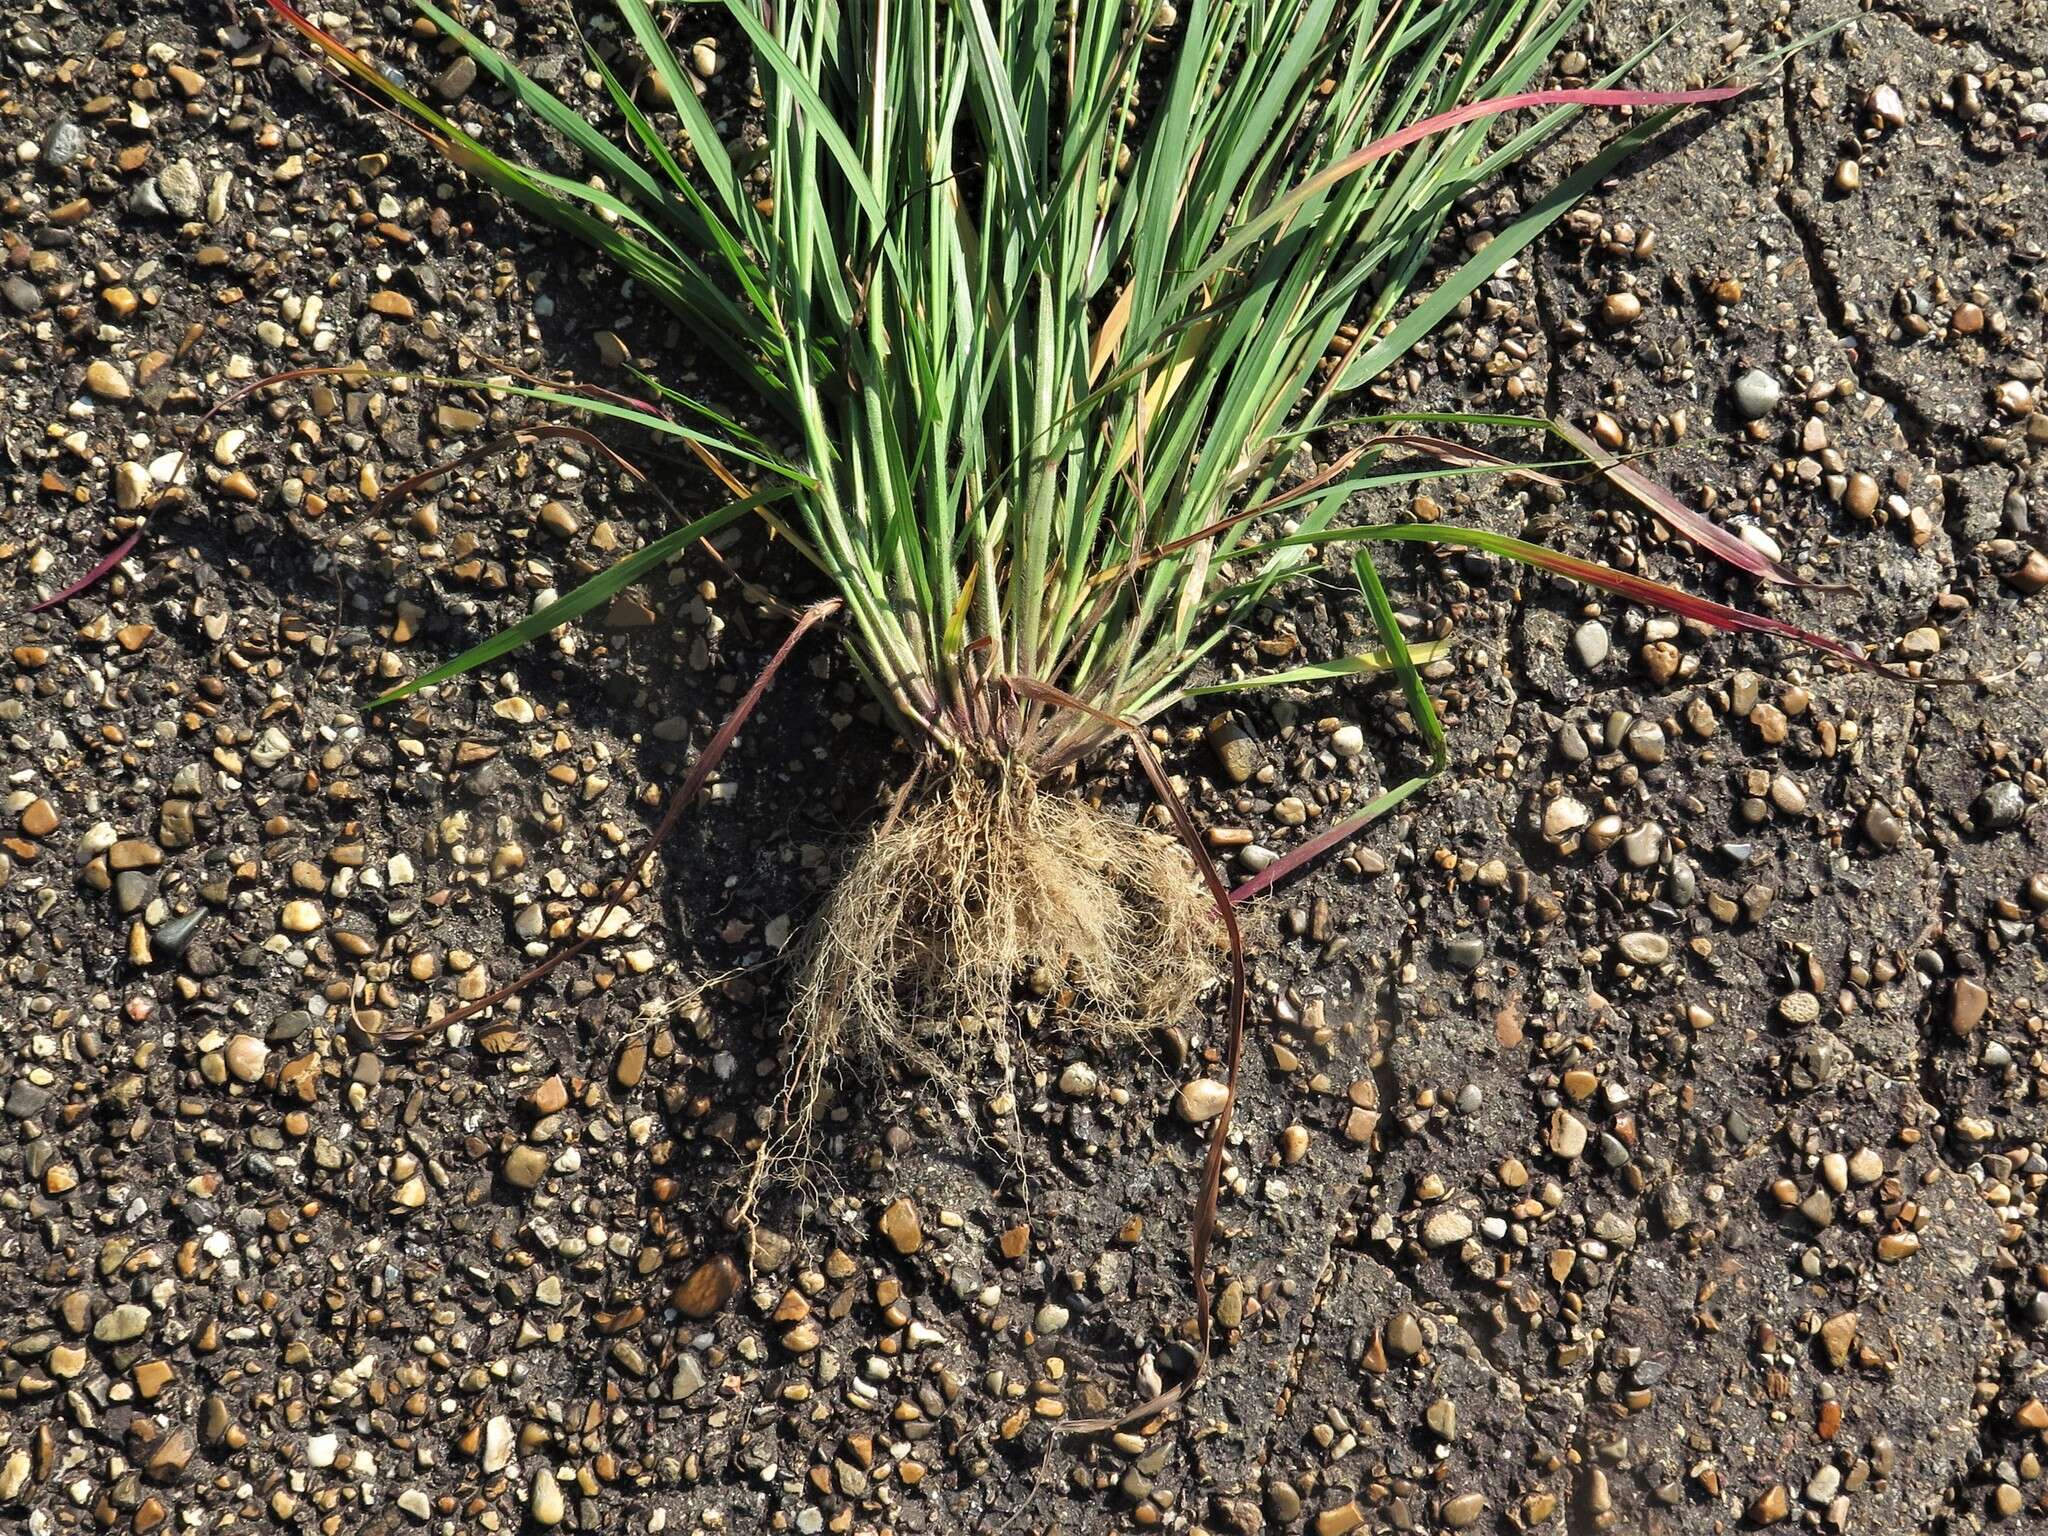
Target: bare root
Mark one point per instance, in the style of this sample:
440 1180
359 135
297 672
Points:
915 955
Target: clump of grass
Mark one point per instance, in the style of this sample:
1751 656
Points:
1040 299
1037 300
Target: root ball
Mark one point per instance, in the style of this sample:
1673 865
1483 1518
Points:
916 951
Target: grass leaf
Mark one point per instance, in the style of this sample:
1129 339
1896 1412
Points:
600 588
1366 662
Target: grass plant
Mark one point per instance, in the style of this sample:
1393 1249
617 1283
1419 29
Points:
1032 304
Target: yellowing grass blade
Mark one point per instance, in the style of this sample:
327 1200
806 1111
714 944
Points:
1365 663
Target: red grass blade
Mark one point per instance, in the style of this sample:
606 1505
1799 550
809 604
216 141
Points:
629 885
1682 519
1638 589
1329 838
1562 96
1422 128
1203 1232
353 62
121 550
106 564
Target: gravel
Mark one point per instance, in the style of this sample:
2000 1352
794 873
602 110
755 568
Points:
1642 1132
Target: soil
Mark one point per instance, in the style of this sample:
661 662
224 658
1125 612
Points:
1643 1130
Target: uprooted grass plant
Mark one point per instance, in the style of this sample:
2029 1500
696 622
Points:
1036 302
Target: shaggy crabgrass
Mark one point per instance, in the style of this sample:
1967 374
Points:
1037 301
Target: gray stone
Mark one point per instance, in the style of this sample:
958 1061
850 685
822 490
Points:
2001 806
171 940
123 1325
63 144
1756 394
454 82
25 1100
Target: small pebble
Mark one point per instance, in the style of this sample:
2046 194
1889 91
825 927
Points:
1644 948
1079 1080
1756 394
107 381
1590 640
1200 1100
547 1505
246 1056
899 1224
1567 1134
299 917
525 1166
1445 1227
1621 308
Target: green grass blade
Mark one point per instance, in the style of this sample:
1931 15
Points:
705 143
1369 363
621 167
599 589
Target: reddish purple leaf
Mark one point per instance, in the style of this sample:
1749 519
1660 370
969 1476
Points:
120 553
1639 589
1683 520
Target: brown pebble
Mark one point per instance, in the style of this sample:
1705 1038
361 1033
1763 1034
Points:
134 853
1836 1335
1200 1100
1237 753
2032 574
899 1224
1967 1005
165 1461
108 381
710 1286
551 1097
632 1064
1621 308
1463 1510
525 1166
1405 1338
1770 1506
